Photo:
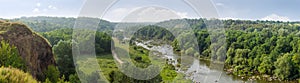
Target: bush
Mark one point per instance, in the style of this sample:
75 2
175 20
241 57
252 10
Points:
9 56
73 78
52 74
12 75
64 58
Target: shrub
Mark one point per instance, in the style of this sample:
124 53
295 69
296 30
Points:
52 74
12 75
9 56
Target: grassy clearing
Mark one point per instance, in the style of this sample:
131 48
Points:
107 64
120 45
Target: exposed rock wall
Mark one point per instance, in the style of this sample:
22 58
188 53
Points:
34 49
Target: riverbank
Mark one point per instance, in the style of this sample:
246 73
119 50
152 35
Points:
256 77
210 65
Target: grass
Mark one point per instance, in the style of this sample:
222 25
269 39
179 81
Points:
106 64
120 45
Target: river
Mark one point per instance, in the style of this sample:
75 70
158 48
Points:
200 71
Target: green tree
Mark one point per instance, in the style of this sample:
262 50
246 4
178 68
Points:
266 65
168 73
52 74
73 78
240 56
102 43
283 66
64 58
230 54
296 61
9 56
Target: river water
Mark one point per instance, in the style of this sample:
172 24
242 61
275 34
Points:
199 71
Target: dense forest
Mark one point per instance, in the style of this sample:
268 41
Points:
254 49
259 48
152 32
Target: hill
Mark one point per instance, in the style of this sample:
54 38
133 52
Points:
45 24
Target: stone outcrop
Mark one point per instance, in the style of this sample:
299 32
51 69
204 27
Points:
33 48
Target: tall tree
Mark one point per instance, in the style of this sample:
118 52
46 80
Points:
9 56
64 58
283 66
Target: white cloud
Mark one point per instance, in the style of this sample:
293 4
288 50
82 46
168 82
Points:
234 18
38 10
116 15
227 18
182 14
143 14
35 10
52 7
38 4
275 17
219 4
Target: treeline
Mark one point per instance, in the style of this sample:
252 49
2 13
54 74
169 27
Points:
62 42
253 48
102 39
46 24
152 32
256 47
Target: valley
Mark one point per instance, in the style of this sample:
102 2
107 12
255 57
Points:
182 50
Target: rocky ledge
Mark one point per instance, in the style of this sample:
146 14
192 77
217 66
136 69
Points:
33 48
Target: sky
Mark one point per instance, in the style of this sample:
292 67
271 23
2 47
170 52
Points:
282 10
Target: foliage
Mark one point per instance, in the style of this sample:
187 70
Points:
168 73
46 24
12 75
284 66
52 74
102 39
9 56
252 47
153 32
64 58
73 78
118 77
57 35
139 56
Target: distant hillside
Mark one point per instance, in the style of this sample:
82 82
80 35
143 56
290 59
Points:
45 24
153 32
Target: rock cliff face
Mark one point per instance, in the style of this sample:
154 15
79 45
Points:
33 48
